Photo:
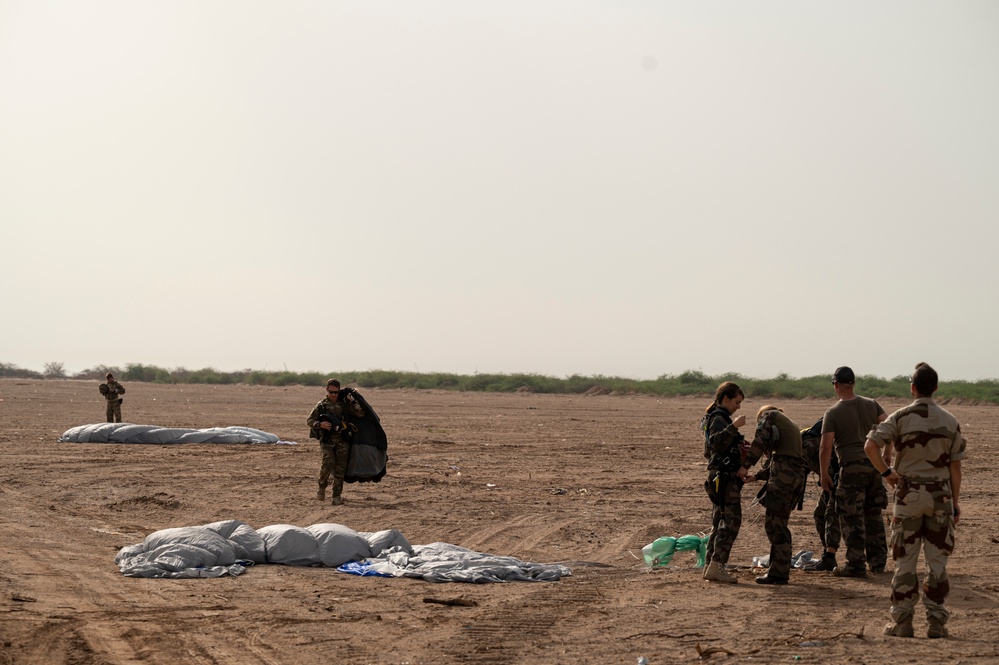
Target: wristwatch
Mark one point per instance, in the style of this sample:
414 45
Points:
887 472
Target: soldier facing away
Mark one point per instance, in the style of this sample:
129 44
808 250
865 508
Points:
825 515
929 448
860 493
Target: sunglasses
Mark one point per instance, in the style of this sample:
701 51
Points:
332 392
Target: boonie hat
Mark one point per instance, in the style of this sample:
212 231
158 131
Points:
843 375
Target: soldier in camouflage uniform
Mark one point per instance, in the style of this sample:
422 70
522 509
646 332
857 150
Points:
929 448
112 390
825 515
328 424
860 493
723 450
779 439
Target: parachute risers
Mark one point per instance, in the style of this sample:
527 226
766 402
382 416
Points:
659 553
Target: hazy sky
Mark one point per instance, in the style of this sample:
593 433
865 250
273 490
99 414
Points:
628 188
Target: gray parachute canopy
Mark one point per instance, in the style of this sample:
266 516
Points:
230 546
128 433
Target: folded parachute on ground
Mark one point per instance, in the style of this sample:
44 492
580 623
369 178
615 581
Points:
129 433
229 547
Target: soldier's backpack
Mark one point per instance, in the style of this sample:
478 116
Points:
811 440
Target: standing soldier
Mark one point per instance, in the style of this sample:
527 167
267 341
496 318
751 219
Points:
328 423
778 438
723 450
825 515
860 494
929 448
111 390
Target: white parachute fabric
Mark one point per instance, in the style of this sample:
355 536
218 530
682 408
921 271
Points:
444 562
129 433
213 550
229 547
329 545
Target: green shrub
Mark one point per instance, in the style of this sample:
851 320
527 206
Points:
691 382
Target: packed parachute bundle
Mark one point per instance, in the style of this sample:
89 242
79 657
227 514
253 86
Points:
229 547
368 444
154 434
811 443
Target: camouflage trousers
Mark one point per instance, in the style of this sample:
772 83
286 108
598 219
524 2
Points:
726 520
114 410
334 463
923 519
860 498
827 521
785 487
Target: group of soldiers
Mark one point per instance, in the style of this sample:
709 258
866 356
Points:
856 446
857 441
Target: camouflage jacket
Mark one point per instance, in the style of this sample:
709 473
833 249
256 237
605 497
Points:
721 440
111 390
768 439
927 438
339 410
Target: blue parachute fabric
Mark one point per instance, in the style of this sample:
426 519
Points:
361 568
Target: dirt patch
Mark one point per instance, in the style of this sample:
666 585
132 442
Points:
964 401
582 479
162 501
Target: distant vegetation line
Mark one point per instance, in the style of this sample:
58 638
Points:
691 382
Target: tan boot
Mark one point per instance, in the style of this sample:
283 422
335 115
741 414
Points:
321 494
337 500
935 629
903 629
716 573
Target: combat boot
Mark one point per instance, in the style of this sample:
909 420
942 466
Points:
826 563
321 494
771 579
936 629
716 573
901 629
847 571
337 500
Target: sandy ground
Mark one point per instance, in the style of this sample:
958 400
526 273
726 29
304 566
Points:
582 479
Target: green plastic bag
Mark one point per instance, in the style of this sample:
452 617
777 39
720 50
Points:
659 553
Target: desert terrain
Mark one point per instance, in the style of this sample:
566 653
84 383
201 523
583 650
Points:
587 480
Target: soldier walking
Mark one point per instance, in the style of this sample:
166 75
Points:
328 423
929 448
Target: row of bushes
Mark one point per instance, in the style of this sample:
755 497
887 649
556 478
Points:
687 383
